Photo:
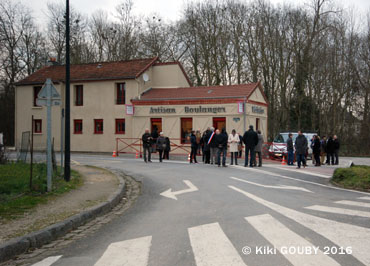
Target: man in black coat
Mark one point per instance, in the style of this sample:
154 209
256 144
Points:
336 149
301 145
206 147
250 139
221 144
147 144
330 147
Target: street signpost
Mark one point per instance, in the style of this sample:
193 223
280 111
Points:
48 96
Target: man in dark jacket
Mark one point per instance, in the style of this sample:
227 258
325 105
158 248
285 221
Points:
161 145
290 149
221 144
250 139
301 145
330 148
213 146
316 149
147 144
336 149
194 147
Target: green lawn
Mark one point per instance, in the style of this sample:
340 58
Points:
355 177
15 194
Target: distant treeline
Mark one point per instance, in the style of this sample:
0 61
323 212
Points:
313 60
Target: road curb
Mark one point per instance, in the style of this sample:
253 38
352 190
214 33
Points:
20 245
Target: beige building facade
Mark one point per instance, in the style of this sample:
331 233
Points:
119 100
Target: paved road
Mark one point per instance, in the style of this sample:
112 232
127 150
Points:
227 216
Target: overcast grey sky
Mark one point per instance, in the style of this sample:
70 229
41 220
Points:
168 9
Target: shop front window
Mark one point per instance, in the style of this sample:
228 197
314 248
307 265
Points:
219 123
186 127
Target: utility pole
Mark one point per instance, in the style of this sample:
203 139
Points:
67 162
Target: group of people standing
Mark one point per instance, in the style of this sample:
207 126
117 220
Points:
155 142
214 144
321 148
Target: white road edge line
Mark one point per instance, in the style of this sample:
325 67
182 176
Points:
341 234
212 247
300 180
269 186
280 236
299 171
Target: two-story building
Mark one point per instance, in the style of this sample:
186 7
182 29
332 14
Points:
112 100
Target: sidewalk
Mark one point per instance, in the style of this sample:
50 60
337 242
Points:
100 191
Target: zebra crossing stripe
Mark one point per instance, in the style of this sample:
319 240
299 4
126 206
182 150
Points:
354 203
341 234
212 247
280 236
134 252
364 198
339 211
48 261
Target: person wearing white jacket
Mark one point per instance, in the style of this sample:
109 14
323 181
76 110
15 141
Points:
234 141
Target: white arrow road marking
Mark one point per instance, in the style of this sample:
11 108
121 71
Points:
354 203
275 187
365 198
172 195
211 247
341 234
133 252
338 210
48 261
281 236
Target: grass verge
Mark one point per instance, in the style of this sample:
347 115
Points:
16 197
356 177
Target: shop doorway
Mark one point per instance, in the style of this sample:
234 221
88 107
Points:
156 125
257 124
219 123
186 128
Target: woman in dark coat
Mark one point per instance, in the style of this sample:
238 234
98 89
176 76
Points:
316 149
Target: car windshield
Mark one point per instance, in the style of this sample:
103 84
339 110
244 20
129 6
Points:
283 137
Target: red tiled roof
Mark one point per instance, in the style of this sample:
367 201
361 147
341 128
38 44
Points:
202 92
91 72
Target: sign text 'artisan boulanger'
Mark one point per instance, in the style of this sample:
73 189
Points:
187 109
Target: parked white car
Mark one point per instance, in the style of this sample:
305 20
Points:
278 148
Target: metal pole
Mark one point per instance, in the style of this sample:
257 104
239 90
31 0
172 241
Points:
32 129
61 141
67 166
245 113
49 166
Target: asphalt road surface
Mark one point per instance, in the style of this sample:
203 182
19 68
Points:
226 216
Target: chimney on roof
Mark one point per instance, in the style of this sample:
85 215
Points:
52 62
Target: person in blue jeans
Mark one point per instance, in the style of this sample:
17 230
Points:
301 145
290 149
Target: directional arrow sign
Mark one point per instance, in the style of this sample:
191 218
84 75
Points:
172 194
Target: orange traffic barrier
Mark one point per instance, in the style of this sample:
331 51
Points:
189 157
137 155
